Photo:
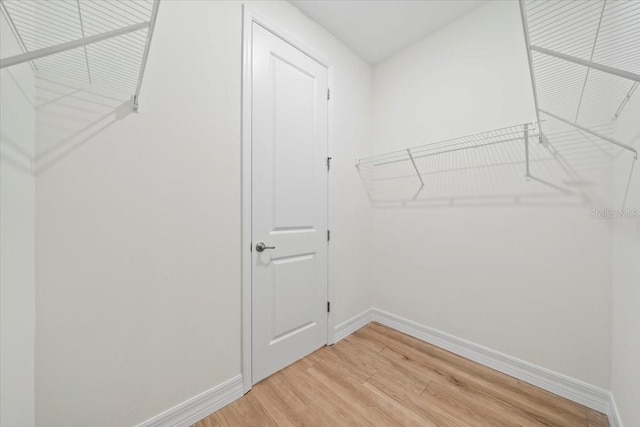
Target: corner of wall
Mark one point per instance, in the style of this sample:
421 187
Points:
17 237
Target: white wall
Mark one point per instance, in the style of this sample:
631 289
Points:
17 231
625 377
138 219
532 281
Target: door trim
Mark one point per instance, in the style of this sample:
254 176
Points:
248 19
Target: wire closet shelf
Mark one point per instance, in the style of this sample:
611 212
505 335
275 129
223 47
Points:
584 61
517 133
584 58
101 44
453 168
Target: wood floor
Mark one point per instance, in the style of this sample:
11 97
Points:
380 377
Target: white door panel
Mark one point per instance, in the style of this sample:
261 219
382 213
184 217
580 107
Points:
289 204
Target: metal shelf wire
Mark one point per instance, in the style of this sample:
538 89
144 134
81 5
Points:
497 136
584 57
464 167
102 44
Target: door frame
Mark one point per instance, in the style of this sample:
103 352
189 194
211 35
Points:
249 17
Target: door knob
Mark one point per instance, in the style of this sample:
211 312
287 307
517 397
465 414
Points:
261 247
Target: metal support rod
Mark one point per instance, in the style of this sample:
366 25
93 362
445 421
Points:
86 54
595 65
593 49
365 186
625 100
525 26
526 150
594 133
15 32
415 167
145 55
30 56
415 196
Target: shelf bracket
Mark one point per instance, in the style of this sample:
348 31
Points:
526 151
625 100
594 133
145 55
415 167
525 26
605 68
593 50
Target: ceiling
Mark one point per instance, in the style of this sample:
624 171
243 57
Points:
377 29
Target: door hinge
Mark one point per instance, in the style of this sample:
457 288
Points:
328 163
328 94
328 306
328 235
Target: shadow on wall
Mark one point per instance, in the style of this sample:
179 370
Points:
568 168
14 152
74 116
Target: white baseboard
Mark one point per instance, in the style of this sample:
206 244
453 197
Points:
613 414
198 407
580 392
348 327
206 403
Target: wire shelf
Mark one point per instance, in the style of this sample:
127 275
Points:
102 44
497 136
504 166
463 169
584 57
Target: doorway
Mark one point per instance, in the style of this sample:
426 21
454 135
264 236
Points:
287 217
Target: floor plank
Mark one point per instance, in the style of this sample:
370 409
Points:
380 377
596 419
448 369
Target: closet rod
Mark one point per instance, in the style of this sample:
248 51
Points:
30 56
594 65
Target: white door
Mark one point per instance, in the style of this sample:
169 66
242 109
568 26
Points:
289 204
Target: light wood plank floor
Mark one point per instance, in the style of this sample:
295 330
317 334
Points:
380 377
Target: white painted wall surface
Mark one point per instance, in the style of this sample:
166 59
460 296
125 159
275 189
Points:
625 376
530 281
138 219
17 238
